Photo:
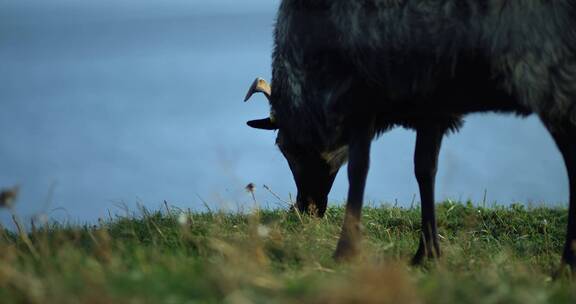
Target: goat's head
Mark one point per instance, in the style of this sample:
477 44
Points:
313 170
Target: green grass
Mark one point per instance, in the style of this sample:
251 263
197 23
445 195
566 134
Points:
490 255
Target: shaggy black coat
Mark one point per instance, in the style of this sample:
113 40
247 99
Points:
344 71
411 60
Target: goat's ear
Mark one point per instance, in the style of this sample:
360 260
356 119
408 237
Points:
264 124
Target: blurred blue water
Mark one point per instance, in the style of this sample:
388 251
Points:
118 102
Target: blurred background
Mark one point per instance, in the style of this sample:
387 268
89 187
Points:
112 103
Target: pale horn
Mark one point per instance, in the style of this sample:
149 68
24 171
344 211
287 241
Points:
261 86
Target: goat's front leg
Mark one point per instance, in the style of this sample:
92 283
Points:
428 143
358 163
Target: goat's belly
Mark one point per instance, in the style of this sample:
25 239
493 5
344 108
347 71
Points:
444 95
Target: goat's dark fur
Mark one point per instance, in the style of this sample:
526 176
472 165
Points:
414 58
346 68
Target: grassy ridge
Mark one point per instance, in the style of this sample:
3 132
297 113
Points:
490 255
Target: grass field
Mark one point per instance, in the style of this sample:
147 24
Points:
490 255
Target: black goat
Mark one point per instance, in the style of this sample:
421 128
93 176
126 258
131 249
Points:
345 71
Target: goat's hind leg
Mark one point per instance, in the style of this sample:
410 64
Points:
428 143
564 135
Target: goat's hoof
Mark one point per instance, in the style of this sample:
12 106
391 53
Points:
564 271
417 259
567 269
425 254
346 251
